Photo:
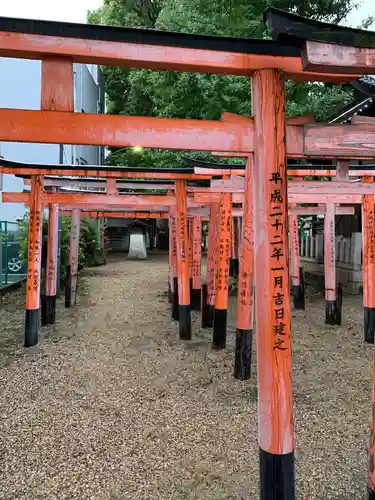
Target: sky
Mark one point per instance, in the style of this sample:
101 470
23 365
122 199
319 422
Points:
76 10
67 10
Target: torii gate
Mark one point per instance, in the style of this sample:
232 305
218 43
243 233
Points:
268 138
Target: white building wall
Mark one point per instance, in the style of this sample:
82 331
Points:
20 88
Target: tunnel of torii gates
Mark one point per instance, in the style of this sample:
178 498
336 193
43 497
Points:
301 49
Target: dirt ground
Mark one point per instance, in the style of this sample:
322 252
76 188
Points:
112 405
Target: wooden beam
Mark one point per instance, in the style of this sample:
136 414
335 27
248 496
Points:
368 264
212 255
122 131
345 141
245 295
184 315
162 57
34 263
100 172
57 93
294 187
72 274
327 58
213 172
101 184
272 297
94 199
107 214
222 273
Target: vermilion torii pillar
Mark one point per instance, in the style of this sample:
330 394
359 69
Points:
222 273
72 274
208 300
245 297
184 314
51 278
234 247
173 256
333 299
272 300
368 239
34 260
298 289
196 225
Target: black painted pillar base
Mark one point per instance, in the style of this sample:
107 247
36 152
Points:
175 299
298 292
32 321
369 324
48 309
298 296
219 338
242 360
169 292
276 476
184 318
234 267
68 294
334 309
371 494
196 299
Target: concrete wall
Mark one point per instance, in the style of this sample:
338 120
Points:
20 86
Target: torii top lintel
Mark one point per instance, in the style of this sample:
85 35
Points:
139 48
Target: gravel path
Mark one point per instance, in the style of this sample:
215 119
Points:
111 405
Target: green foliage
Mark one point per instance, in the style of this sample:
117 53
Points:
205 96
89 254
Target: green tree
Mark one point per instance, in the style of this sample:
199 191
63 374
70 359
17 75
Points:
205 96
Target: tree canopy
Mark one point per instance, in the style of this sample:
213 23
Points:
205 96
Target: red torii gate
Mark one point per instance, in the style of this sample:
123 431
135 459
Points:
267 62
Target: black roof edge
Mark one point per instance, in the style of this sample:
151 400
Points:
146 36
287 27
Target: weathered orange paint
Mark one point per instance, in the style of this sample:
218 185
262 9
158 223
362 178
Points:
330 253
272 300
57 92
343 141
294 249
197 252
212 252
111 187
245 296
114 130
105 173
222 264
135 55
218 171
173 246
94 214
327 57
34 258
73 254
190 249
53 229
368 249
105 200
182 244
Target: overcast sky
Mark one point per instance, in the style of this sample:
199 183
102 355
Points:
52 10
76 10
